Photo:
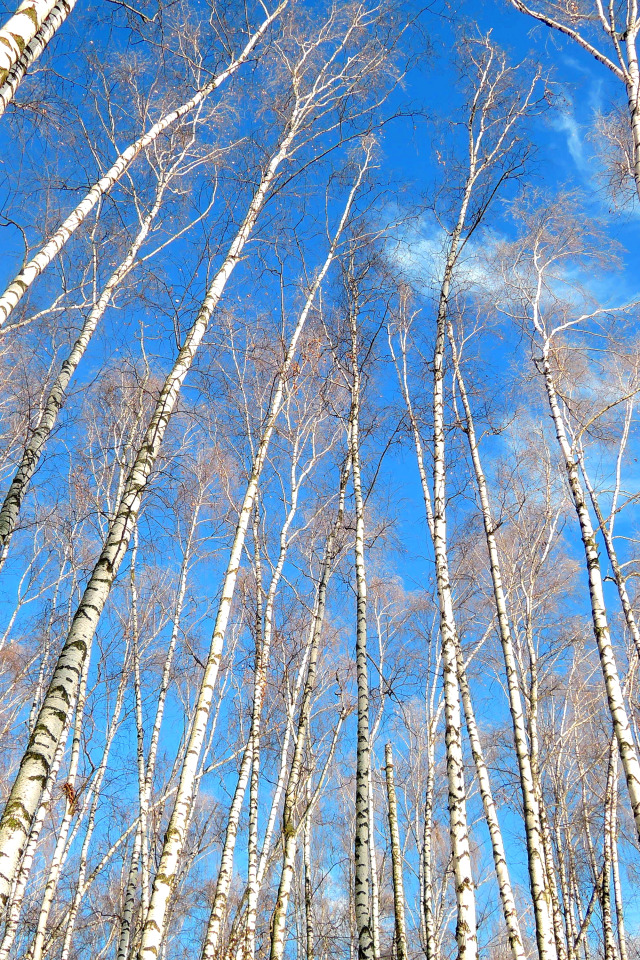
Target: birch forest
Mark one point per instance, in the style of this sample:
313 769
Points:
319 480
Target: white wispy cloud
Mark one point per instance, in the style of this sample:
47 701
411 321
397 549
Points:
566 123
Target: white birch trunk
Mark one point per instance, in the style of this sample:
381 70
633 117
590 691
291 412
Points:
426 893
61 849
176 832
14 76
308 883
466 935
254 786
363 828
545 936
33 450
29 783
547 846
140 856
32 270
632 82
610 951
615 698
289 829
617 888
225 872
497 846
96 787
396 859
19 30
128 906
373 867
17 893
266 853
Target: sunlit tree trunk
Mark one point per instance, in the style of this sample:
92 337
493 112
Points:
290 829
535 851
32 270
308 882
91 821
14 76
396 858
615 698
617 888
252 838
491 816
249 767
61 849
29 783
458 827
426 893
545 832
19 30
17 893
363 828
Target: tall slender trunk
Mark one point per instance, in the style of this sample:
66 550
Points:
249 769
308 883
254 785
615 697
458 828
141 838
176 832
426 893
545 937
396 859
34 447
289 828
373 866
266 852
129 901
617 888
32 270
362 853
29 783
565 852
142 771
491 816
545 831
610 946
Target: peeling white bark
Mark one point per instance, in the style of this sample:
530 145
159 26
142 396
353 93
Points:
19 30
14 76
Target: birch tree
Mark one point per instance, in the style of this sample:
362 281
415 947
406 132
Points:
588 25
